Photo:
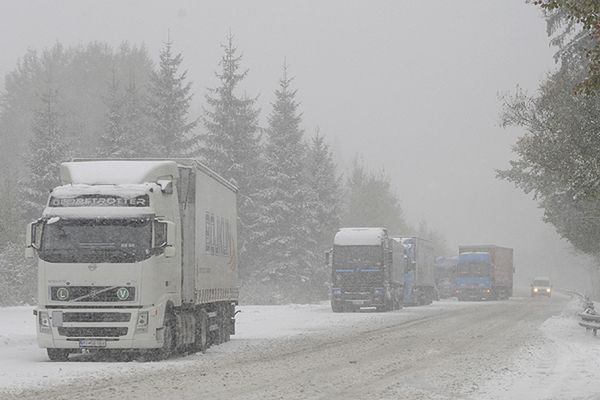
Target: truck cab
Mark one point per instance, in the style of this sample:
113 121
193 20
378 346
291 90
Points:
363 272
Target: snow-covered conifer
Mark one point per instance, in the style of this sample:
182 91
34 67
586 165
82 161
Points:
231 145
169 100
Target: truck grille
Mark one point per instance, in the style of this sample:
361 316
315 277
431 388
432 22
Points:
96 317
92 293
96 332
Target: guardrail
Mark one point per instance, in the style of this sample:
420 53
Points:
590 320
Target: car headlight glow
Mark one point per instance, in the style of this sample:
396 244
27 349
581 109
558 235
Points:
535 289
548 290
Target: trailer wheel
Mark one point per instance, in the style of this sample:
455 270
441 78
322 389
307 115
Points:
201 339
58 354
336 306
224 324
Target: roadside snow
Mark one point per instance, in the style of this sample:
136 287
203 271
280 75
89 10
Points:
564 363
25 366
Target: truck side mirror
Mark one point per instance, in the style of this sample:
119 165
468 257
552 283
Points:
30 239
327 255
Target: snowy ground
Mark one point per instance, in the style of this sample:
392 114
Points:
448 350
564 363
23 365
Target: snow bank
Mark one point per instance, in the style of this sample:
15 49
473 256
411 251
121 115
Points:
563 363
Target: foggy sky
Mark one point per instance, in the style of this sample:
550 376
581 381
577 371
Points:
411 85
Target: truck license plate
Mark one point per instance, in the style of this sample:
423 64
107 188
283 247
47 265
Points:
358 301
92 343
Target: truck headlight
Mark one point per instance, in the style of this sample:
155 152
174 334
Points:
43 319
142 322
44 322
535 290
548 290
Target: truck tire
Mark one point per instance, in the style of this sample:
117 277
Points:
201 339
337 307
58 354
224 324
168 346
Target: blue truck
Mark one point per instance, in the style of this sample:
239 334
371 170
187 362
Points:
484 272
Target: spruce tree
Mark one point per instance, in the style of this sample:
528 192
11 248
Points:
231 146
48 149
285 234
372 201
112 141
324 205
126 123
169 99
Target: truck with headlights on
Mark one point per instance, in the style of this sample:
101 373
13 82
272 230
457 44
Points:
484 272
136 256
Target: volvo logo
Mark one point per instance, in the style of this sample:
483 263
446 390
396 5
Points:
92 267
122 294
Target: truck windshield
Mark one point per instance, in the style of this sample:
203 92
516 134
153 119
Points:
473 270
357 256
96 240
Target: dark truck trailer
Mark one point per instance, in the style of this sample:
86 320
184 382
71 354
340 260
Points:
364 273
484 272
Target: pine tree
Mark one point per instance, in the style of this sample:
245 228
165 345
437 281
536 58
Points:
48 149
169 100
285 235
231 146
325 205
125 127
112 141
372 201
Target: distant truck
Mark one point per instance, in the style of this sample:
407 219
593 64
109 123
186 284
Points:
366 270
419 280
137 256
541 286
445 276
484 272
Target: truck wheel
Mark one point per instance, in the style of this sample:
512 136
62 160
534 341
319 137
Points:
168 346
336 307
201 340
58 354
224 325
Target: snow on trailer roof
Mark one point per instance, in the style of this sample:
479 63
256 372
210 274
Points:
130 171
359 236
98 212
116 172
127 190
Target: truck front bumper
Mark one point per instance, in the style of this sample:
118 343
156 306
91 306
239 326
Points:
89 328
475 294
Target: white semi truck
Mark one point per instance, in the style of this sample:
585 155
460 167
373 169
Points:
136 256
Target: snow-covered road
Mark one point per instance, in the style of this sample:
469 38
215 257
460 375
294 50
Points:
523 348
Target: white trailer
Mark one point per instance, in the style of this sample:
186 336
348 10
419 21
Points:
136 255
